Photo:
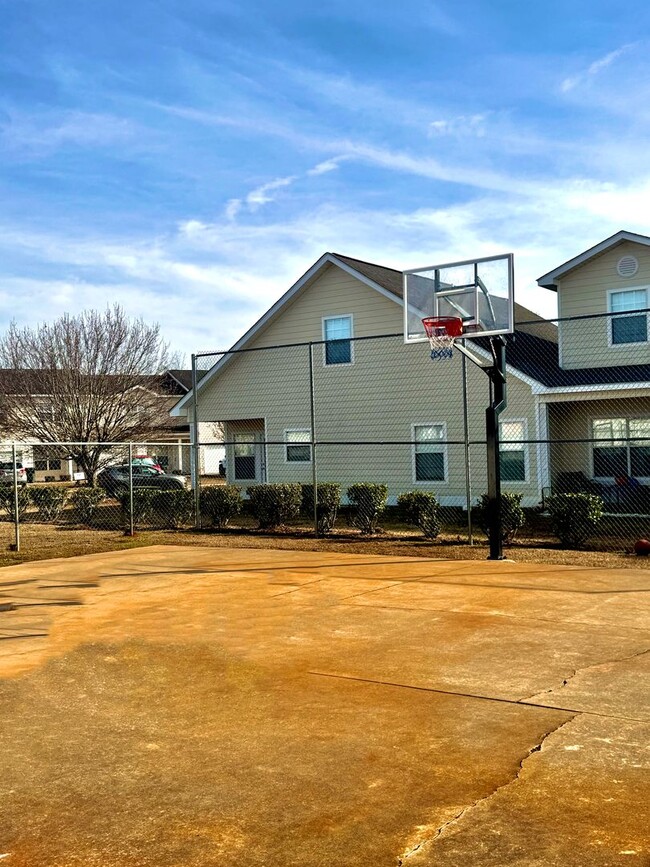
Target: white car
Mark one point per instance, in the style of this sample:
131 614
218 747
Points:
6 473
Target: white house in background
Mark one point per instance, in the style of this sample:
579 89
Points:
171 446
586 386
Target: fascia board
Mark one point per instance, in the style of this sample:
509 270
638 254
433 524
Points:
591 392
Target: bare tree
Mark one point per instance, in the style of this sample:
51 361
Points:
90 379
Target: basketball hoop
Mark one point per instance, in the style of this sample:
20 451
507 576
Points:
442 331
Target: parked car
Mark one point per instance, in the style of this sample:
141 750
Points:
115 480
147 461
7 476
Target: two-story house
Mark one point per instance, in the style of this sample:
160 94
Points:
597 396
328 363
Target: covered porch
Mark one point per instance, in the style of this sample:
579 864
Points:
601 445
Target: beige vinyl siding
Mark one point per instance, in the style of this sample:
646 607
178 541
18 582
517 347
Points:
389 388
333 293
584 291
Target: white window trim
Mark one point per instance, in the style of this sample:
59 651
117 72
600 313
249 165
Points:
610 292
325 319
443 447
525 447
287 443
612 479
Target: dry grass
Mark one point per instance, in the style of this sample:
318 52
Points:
46 541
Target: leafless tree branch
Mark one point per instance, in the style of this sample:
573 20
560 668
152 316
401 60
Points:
90 378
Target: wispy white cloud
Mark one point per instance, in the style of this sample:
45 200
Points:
264 194
594 68
326 166
47 131
208 282
461 125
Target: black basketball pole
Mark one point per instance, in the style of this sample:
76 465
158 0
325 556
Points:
497 375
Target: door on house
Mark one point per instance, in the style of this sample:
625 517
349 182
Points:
248 453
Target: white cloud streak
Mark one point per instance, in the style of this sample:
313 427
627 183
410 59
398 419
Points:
594 68
48 131
460 126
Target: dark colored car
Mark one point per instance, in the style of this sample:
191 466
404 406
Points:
115 480
7 476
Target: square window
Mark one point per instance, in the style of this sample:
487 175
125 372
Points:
298 446
337 332
611 446
429 453
628 329
244 454
513 451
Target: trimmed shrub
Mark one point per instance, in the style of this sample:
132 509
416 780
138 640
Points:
274 505
8 501
512 515
420 508
220 503
143 505
574 517
329 498
368 501
172 508
85 502
50 501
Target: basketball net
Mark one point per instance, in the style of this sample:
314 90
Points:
441 332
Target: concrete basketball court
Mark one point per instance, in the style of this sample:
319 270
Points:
195 707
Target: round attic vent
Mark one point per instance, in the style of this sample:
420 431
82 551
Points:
627 266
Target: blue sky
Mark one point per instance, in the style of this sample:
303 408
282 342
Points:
190 159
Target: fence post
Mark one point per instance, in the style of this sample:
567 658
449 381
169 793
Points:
131 520
16 545
312 411
196 462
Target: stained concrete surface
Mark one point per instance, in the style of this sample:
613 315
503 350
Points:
175 706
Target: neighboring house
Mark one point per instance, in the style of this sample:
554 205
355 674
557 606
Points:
603 363
588 381
171 443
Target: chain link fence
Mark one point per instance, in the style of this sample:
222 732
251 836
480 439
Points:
367 434
375 410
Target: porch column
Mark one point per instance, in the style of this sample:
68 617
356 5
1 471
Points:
543 447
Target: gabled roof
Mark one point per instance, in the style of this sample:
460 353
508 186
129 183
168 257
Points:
549 281
386 281
388 278
184 378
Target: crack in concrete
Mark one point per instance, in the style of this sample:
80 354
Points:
584 668
440 831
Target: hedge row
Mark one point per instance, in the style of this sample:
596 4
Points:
574 517
50 501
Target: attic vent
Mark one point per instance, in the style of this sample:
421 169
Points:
627 266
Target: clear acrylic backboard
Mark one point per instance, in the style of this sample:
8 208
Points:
478 291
